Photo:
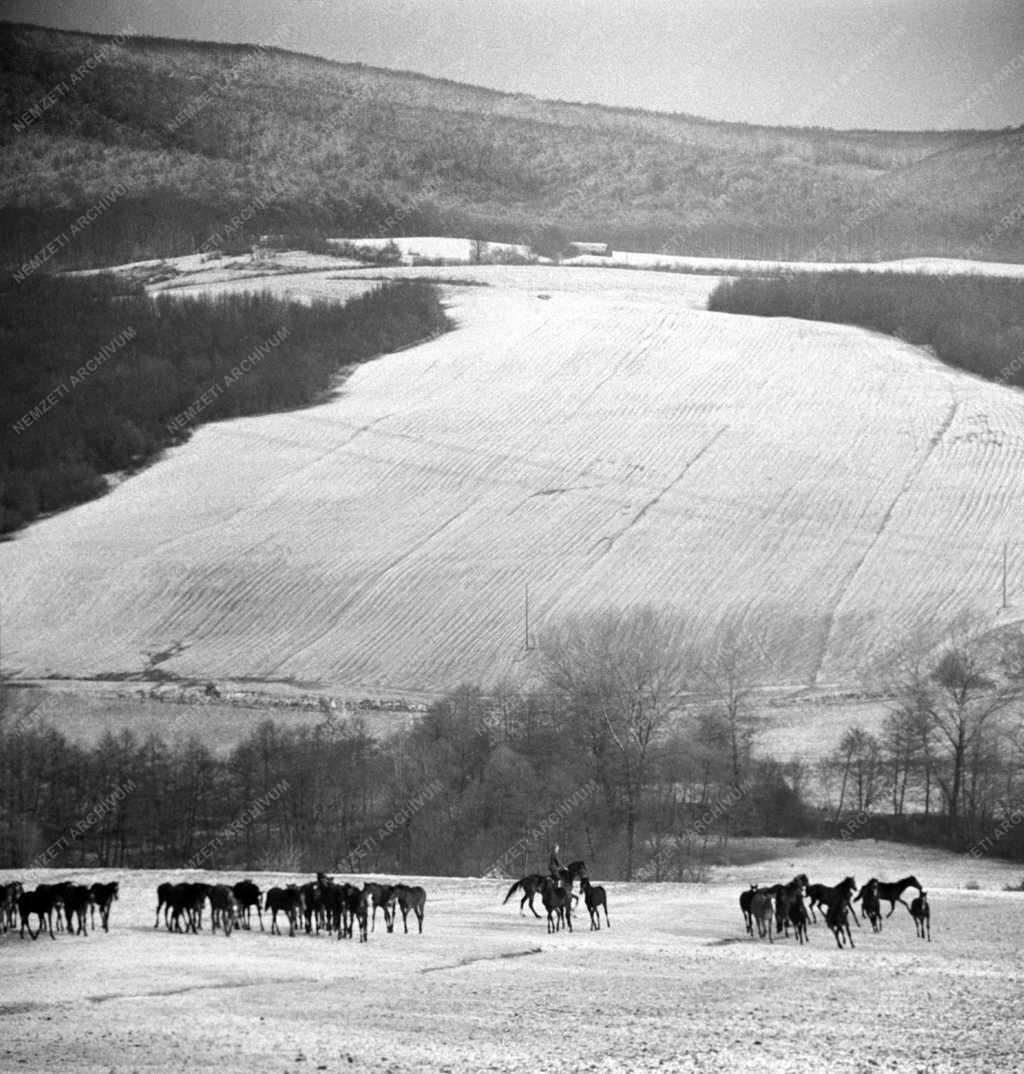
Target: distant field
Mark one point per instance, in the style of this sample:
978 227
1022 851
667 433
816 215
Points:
612 444
674 984
84 712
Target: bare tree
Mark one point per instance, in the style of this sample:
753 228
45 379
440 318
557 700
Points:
960 690
856 762
733 662
620 676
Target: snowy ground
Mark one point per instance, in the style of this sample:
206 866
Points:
594 433
674 985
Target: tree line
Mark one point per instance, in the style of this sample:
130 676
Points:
972 322
101 377
636 751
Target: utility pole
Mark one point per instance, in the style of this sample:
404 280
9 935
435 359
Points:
1006 545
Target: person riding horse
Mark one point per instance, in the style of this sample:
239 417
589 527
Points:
555 866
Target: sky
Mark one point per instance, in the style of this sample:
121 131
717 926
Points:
889 64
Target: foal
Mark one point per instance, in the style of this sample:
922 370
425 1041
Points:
922 915
595 898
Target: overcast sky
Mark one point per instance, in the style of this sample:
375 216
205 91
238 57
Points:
896 64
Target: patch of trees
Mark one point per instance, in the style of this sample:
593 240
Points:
948 765
972 322
598 759
100 377
634 750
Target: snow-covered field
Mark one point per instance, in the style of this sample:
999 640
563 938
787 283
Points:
593 433
673 985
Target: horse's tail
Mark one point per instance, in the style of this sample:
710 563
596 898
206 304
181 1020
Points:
511 891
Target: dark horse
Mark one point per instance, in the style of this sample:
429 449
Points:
921 912
410 898
892 893
77 900
595 898
249 895
103 896
787 898
837 919
42 902
290 902
823 897
382 895
745 898
558 903
868 899
534 883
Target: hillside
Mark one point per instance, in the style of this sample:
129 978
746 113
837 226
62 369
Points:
188 134
596 434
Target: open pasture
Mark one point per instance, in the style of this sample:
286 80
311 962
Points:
674 985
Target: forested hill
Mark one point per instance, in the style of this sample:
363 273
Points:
156 142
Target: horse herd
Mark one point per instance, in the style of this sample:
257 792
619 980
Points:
324 905
321 905
558 897
782 906
64 902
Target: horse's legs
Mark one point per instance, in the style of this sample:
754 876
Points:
529 898
419 918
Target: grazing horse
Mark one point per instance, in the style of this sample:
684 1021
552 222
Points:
595 898
410 898
868 898
762 910
102 896
77 900
823 897
558 903
921 912
892 893
42 902
290 902
748 920
248 895
837 919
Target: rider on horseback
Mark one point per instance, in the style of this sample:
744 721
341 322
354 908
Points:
555 866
